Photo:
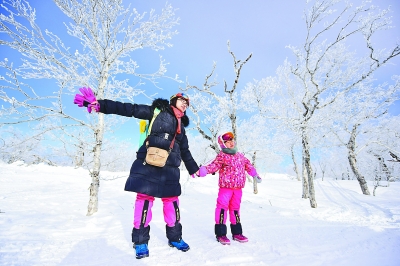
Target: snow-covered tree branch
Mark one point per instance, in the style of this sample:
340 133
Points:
105 33
325 70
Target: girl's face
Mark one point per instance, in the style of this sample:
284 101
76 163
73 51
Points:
230 144
181 104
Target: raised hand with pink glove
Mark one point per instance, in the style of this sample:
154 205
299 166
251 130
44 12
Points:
87 99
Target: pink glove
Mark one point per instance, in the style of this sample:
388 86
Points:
202 172
257 178
87 99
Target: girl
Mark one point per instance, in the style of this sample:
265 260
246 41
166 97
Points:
232 166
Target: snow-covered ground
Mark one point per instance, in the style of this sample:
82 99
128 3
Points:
43 222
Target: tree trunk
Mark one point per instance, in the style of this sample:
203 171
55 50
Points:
304 179
98 134
295 168
80 155
385 169
255 188
351 146
94 186
308 168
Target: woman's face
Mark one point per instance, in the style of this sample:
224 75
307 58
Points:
181 104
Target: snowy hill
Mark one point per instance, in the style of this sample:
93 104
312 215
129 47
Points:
43 222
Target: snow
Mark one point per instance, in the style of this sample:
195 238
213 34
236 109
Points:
43 222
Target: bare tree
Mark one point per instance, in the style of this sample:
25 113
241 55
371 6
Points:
106 33
357 115
18 146
322 166
295 167
395 157
319 64
227 104
381 170
326 69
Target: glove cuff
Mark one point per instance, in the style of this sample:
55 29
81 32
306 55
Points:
95 105
253 172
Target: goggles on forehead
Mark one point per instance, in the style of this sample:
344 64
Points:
228 136
181 95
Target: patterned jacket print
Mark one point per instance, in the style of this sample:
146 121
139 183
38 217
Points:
231 169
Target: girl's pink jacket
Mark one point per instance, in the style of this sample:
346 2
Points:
232 169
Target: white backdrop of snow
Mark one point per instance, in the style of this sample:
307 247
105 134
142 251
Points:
43 222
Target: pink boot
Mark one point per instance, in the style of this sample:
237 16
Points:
223 240
240 238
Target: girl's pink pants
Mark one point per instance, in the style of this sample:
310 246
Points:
228 199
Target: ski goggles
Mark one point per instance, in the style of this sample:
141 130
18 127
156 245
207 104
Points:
228 137
181 95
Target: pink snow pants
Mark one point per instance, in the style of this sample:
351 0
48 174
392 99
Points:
228 199
143 213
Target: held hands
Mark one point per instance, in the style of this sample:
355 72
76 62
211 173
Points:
201 172
87 99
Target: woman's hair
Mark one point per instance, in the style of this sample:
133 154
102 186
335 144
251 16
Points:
173 101
175 97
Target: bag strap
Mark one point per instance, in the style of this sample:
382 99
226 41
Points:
172 143
143 127
155 114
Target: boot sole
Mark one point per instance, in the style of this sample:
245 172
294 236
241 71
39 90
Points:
241 241
183 250
224 243
142 256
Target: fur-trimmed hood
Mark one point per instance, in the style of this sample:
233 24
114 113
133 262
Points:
164 105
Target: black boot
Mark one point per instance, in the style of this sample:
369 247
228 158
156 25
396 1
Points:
220 230
141 235
237 233
174 235
236 229
220 234
140 239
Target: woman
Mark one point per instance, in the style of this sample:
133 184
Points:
150 182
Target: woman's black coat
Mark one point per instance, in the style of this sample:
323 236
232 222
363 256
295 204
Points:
155 181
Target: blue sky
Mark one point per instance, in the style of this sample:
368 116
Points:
261 27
